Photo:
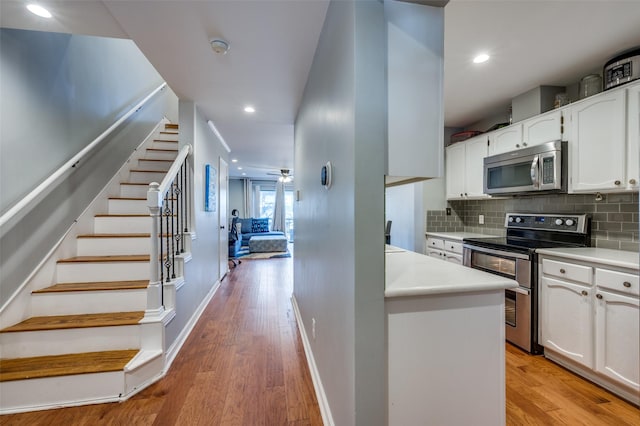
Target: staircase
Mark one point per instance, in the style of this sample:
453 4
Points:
87 340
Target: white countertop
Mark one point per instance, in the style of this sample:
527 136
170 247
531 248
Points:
458 236
413 274
619 258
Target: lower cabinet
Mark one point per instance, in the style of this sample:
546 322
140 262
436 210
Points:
590 317
449 250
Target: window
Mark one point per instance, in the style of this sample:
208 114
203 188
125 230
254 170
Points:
267 203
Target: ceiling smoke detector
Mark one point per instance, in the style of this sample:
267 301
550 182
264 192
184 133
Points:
219 46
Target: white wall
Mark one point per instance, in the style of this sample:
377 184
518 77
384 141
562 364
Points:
236 196
59 92
339 259
202 271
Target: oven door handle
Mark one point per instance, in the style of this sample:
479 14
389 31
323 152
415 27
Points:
535 180
496 252
520 290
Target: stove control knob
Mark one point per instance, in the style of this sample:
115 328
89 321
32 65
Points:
569 222
559 222
518 219
511 219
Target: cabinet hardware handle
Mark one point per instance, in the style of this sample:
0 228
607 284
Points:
617 182
517 145
465 194
524 144
585 293
461 194
626 284
598 296
632 181
562 271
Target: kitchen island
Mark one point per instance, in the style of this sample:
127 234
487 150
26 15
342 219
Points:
446 333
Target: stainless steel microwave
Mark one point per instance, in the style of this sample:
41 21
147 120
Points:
540 168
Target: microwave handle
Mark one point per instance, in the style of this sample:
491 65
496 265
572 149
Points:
535 172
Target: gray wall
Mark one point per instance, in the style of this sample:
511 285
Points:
202 271
614 218
236 196
339 259
44 77
59 92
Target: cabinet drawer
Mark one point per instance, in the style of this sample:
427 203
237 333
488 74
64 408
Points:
567 271
618 281
436 243
453 246
439 254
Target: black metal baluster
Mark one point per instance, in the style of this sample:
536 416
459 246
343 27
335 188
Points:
173 231
167 213
159 218
187 198
180 211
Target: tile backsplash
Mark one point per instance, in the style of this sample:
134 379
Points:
614 218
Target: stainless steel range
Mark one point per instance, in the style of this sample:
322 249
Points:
514 256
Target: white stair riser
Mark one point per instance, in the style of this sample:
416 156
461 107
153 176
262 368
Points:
53 392
161 155
134 191
146 177
164 145
113 246
168 136
79 272
120 206
154 165
144 374
124 225
88 302
23 344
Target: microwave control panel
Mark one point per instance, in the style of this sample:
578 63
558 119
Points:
548 170
567 223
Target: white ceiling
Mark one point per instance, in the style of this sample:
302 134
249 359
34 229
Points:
531 42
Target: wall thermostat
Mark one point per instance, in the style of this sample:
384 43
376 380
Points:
325 175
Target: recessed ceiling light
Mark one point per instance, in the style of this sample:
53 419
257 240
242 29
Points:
239 168
249 109
244 174
483 57
234 160
219 46
39 10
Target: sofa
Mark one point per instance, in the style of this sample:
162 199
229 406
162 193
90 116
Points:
254 227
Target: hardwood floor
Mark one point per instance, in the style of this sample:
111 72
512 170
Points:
244 364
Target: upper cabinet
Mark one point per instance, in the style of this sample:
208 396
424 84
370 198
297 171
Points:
465 169
597 147
415 68
543 128
633 137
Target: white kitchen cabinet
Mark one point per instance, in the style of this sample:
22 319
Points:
506 139
633 137
465 168
543 128
590 317
566 319
445 249
617 337
597 147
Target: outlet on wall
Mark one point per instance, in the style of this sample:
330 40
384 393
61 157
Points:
481 219
313 328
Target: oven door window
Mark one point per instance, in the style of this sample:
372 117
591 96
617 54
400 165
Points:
510 307
496 264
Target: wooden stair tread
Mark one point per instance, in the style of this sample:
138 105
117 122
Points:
128 198
148 171
122 215
63 365
94 286
162 149
113 258
134 183
171 126
169 133
59 322
154 159
165 140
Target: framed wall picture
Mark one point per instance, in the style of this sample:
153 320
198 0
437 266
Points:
210 176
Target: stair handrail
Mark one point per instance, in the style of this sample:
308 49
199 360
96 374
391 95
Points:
174 187
21 205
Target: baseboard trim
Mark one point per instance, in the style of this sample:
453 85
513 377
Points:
175 347
321 396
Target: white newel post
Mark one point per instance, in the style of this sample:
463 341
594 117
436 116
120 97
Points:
154 291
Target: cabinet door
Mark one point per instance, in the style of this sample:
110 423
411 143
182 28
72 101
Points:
633 137
439 254
455 173
566 320
454 258
617 338
505 140
476 150
543 128
597 149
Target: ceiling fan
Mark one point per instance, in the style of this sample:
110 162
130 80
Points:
285 175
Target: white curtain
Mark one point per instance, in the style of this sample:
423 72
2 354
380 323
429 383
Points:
248 199
255 202
279 223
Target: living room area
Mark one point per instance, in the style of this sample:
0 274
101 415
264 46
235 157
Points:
261 224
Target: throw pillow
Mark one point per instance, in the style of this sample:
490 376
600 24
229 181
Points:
260 225
246 225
